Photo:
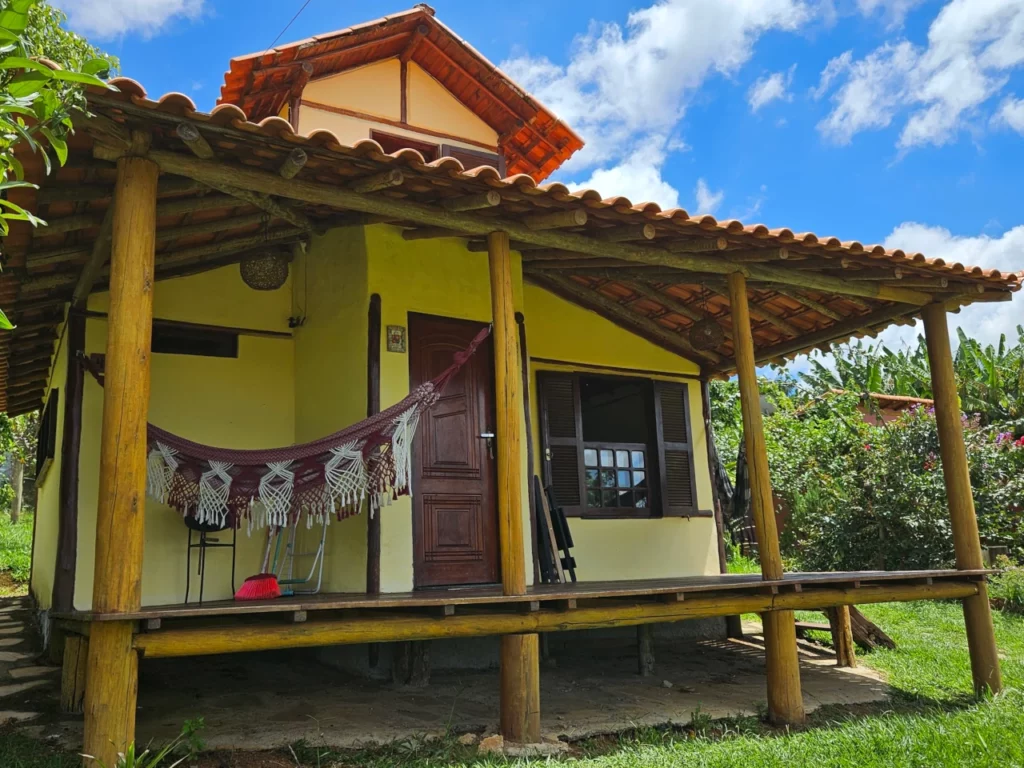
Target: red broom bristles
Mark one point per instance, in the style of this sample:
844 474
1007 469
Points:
262 586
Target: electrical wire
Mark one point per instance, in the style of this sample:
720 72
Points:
288 25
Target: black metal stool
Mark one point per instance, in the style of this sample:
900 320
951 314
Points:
204 543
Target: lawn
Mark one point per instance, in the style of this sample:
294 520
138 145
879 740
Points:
932 721
15 554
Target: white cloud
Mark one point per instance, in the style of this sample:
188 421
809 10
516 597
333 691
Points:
983 321
106 19
769 88
893 11
638 177
624 83
707 201
1011 114
972 45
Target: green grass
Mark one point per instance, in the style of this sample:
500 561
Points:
932 721
16 546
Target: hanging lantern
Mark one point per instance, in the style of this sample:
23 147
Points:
266 271
706 334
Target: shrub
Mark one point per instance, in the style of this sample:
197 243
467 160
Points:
1006 588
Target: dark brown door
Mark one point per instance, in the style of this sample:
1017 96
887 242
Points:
455 525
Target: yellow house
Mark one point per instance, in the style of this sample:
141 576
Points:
319 248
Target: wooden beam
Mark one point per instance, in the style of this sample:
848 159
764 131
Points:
429 233
966 543
373 350
209 227
625 234
475 202
112 677
573 217
800 298
407 210
842 636
623 316
356 629
293 163
97 258
785 703
677 306
754 255
237 245
265 202
194 140
699 245
842 330
378 181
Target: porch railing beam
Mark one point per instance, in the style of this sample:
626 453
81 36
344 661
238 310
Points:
966 541
112 668
519 713
785 702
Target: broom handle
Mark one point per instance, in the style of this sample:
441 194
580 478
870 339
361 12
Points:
266 554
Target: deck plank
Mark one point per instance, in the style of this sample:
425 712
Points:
541 593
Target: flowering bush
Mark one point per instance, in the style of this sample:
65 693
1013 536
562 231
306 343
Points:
862 496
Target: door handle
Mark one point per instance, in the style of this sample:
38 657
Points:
489 437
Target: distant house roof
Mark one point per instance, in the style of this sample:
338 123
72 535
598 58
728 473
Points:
531 138
891 402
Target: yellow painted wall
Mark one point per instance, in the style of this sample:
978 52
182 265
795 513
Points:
246 402
455 284
622 549
284 391
375 90
44 545
330 377
431 105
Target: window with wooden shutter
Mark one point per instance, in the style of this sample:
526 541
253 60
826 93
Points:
675 449
563 446
473 158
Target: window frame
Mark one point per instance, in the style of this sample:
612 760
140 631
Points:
655 450
46 437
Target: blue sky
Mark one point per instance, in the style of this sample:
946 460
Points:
893 121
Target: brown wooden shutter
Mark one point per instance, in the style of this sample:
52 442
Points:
472 158
563 438
675 449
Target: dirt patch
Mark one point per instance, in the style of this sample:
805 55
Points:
11 588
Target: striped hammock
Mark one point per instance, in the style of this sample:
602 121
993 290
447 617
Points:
367 462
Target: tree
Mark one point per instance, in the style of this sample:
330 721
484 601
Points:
24 432
43 69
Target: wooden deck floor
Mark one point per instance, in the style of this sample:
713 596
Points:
544 596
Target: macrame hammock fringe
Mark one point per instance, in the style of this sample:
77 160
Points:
370 461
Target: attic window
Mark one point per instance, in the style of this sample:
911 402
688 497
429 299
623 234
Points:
178 340
391 143
474 158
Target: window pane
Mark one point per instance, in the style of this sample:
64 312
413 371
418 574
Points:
592 479
607 458
593 498
638 458
626 499
607 478
641 499
610 498
639 480
623 478
590 457
622 458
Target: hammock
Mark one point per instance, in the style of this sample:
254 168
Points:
368 461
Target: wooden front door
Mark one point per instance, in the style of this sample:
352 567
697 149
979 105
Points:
455 521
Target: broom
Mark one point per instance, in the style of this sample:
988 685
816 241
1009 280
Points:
262 586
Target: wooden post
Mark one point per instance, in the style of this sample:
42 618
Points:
72 674
842 635
977 613
112 671
785 702
520 654
372 409
645 650
67 520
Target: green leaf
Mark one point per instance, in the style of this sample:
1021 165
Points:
78 77
97 66
60 146
15 16
20 62
27 84
5 324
